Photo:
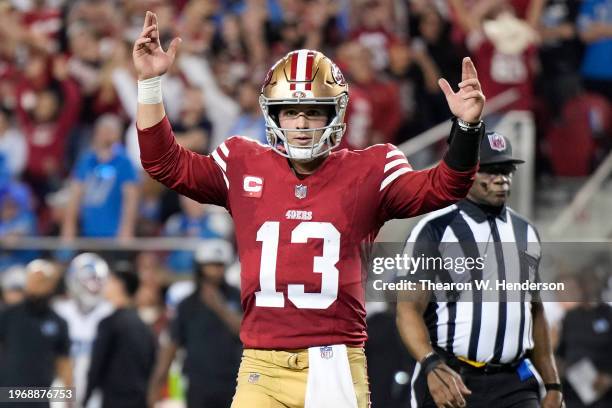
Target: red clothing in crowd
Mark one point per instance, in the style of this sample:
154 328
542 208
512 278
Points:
374 114
377 41
47 141
46 21
499 72
575 142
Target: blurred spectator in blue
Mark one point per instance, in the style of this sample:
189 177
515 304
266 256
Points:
250 122
16 220
13 148
195 221
595 27
104 188
5 174
150 208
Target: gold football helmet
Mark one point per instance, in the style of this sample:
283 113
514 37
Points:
304 77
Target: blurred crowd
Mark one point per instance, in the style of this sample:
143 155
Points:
69 158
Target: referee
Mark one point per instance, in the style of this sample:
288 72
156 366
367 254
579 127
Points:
472 352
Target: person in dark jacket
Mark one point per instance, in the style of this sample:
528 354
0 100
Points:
123 353
34 341
206 326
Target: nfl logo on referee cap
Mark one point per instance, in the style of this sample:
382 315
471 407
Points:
497 142
326 352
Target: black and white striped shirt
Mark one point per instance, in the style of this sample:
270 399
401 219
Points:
474 325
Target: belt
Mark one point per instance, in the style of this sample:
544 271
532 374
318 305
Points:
464 365
294 359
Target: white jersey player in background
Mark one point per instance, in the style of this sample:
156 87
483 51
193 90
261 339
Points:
83 310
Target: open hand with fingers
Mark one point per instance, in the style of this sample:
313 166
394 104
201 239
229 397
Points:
446 387
466 104
150 60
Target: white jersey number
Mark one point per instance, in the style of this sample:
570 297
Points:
268 235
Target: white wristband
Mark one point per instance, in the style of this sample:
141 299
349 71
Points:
149 91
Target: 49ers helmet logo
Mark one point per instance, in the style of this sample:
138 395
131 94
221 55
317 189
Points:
337 74
268 77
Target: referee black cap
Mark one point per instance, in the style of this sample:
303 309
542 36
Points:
495 148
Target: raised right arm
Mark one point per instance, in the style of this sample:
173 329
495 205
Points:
196 176
151 62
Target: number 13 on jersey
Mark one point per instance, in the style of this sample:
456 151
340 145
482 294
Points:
268 234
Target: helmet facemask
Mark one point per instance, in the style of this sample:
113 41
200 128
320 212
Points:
332 131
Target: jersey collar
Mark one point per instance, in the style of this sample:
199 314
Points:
480 212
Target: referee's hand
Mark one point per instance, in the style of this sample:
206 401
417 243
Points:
446 387
553 399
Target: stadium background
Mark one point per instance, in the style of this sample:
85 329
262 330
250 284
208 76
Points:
67 92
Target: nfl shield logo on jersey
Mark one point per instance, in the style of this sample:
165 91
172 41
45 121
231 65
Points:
300 191
326 352
497 142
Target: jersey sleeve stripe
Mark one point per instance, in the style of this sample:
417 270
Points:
395 163
394 153
224 149
389 179
225 179
220 162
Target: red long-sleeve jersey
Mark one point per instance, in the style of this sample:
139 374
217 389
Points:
299 240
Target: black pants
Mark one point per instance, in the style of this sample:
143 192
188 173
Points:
500 390
204 397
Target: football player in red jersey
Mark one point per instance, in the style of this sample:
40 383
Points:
302 212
